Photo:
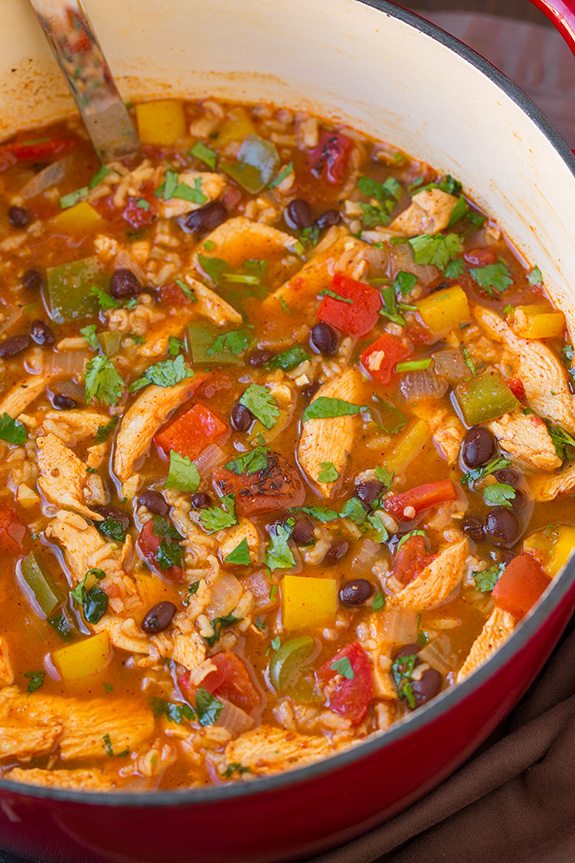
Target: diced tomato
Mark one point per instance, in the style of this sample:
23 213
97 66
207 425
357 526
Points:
520 586
172 295
348 697
39 151
480 257
411 559
516 387
276 486
140 212
12 532
356 318
192 431
419 498
232 681
149 544
381 357
329 160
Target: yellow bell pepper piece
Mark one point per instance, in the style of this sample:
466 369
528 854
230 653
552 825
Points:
162 122
552 546
407 447
237 128
538 321
444 310
82 218
84 658
308 602
151 590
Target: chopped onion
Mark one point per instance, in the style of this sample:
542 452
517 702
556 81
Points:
402 260
368 551
450 364
439 654
422 385
212 457
72 389
398 626
226 592
68 363
51 175
234 719
259 585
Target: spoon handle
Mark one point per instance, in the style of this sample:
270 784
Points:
79 55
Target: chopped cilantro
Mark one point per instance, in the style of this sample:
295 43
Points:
102 432
172 188
208 708
402 669
215 518
408 535
103 381
486 580
327 292
563 442
535 277
499 494
404 283
459 211
343 666
235 767
205 154
320 513
384 475
35 680
289 359
389 418
278 554
249 463
324 407
378 601
175 346
11 430
455 268
105 300
376 522
219 623
240 554
165 373
327 472
476 473
112 528
261 403
169 554
492 277
436 250
186 290
174 711
182 474
354 510
468 360
89 333
235 342
93 600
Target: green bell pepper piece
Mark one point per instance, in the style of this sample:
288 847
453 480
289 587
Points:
290 661
289 359
45 593
109 342
484 398
256 164
64 624
69 289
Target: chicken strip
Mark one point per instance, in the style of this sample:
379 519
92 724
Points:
330 440
428 213
6 670
437 580
526 438
549 487
496 630
84 780
22 394
446 429
267 750
239 238
62 475
84 547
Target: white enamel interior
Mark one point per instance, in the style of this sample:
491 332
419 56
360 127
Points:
342 58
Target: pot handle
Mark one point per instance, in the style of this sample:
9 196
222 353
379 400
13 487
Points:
562 14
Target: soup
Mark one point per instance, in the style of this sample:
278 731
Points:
286 439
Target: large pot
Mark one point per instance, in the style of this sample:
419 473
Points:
392 74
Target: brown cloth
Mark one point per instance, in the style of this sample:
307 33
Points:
514 802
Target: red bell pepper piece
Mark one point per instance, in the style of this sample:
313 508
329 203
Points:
520 586
149 544
39 151
349 696
191 432
516 387
419 498
231 680
355 318
381 357
411 559
329 160
138 215
12 532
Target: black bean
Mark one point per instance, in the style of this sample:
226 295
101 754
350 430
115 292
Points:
310 390
519 502
19 217
200 499
63 402
116 514
369 491
338 549
154 501
502 527
508 475
206 218
478 446
355 592
124 284
260 358
42 333
14 345
303 531
241 417
408 650
324 339
328 219
427 686
158 617
33 279
298 214
473 527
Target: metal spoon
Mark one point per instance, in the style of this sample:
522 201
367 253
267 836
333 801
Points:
81 59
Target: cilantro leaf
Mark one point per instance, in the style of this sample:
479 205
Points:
499 494
289 359
249 463
324 407
376 522
261 403
11 430
407 536
89 333
102 432
182 474
172 188
436 250
105 300
113 528
93 601
103 381
327 472
404 283
378 601
486 580
563 442
35 680
402 669
492 277
278 554
215 518
385 476
165 373
240 554
320 513
208 707
535 277
235 342
175 346
281 175
459 212
455 268
186 290
169 554
354 510
235 767
497 463
174 711
389 418
343 666
327 292
164 527
205 154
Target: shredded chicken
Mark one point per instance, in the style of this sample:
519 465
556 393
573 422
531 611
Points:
527 439
428 213
63 476
496 630
437 580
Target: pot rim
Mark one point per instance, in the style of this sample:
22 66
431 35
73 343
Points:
439 706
